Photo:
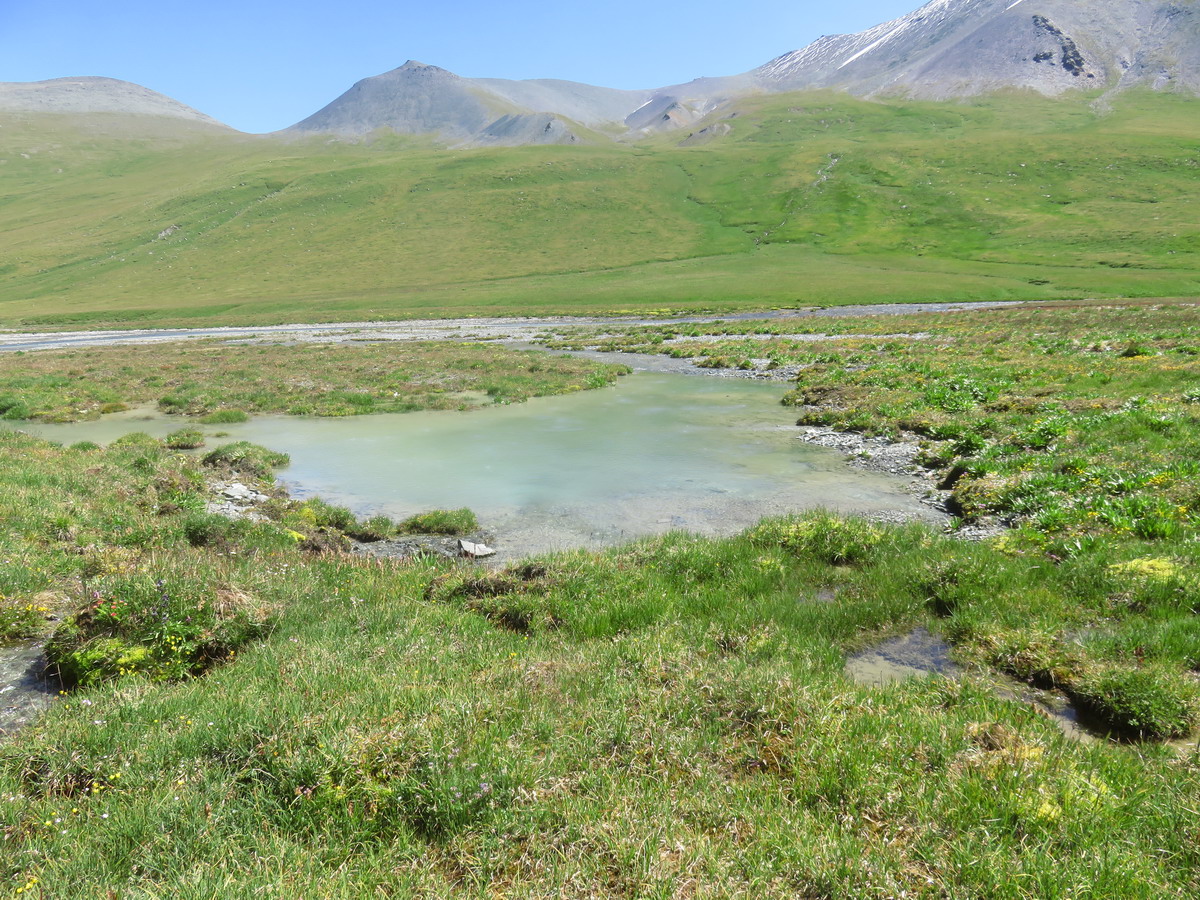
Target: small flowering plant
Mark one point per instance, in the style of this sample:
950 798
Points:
109 609
19 618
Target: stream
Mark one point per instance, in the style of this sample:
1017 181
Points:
25 690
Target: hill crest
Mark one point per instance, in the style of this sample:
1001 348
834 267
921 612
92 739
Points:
95 94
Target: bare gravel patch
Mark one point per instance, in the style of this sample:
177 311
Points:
497 328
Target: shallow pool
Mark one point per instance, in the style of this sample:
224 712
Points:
655 452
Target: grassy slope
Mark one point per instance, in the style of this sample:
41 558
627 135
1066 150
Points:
1008 197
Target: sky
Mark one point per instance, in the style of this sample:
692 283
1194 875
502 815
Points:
261 65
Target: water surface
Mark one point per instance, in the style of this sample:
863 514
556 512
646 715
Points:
25 688
655 452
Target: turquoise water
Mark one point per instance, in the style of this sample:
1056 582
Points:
657 451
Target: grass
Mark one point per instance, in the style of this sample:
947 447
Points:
434 730
257 711
220 383
326 516
220 417
811 199
440 521
245 458
1074 425
669 717
184 439
20 620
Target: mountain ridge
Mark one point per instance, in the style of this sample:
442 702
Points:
956 48
945 49
417 98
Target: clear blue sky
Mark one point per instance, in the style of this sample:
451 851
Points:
260 66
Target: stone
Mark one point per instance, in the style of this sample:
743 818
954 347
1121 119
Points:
474 550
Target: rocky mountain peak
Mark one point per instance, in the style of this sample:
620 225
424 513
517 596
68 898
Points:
945 49
955 48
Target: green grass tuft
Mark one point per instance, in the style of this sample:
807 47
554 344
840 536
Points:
440 521
184 439
225 417
247 459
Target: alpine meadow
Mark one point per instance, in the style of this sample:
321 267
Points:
963 249
811 200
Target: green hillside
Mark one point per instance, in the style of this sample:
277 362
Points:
808 199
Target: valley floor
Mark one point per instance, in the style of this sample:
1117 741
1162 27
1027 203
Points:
256 712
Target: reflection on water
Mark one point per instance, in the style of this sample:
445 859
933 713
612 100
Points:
656 452
917 653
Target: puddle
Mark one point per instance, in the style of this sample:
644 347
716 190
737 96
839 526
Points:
653 453
1051 705
25 691
916 654
920 654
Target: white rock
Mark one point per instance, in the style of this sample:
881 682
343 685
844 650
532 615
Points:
240 492
470 548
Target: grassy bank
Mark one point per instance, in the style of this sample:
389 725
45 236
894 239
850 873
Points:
670 718
1072 421
213 380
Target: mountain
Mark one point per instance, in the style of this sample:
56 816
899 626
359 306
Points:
946 49
422 99
957 48
683 105
584 103
91 94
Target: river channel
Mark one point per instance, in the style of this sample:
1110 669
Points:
655 452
